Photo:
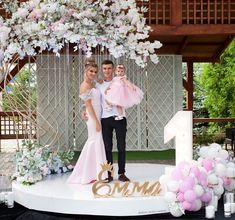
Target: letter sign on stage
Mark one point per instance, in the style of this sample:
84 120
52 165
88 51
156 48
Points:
181 127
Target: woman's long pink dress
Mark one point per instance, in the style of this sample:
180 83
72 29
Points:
88 166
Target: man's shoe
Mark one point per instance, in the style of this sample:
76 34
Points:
109 179
122 177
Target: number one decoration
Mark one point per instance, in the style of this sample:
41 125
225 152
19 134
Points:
180 127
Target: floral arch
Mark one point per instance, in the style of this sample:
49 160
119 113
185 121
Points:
37 25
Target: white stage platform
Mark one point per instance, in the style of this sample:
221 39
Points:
53 194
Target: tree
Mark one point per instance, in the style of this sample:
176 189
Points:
20 94
217 85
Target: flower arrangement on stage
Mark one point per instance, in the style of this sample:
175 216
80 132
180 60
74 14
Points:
37 25
34 161
189 185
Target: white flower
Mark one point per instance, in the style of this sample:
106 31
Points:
53 7
1 56
33 3
73 38
21 13
156 44
1 21
154 58
4 34
61 29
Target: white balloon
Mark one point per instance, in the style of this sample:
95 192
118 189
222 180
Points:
164 179
220 181
198 205
224 154
213 153
220 169
215 146
194 162
198 190
218 190
231 164
199 161
212 179
203 152
230 172
173 186
170 197
176 209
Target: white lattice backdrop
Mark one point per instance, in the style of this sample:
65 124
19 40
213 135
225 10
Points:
59 107
52 102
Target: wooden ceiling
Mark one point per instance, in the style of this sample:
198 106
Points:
198 30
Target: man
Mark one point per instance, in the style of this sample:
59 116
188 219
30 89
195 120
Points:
109 124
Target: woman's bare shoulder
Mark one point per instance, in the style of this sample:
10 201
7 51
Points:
84 87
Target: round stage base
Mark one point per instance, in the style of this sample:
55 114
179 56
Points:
53 194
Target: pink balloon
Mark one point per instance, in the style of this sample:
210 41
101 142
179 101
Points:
187 184
202 179
206 197
180 197
207 164
191 180
202 176
187 205
195 171
204 183
190 196
176 174
226 181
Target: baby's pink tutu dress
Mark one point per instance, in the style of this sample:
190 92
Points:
123 95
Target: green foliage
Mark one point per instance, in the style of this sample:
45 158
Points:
215 86
66 156
205 137
21 92
218 81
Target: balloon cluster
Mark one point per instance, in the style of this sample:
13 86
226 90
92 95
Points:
219 167
186 184
190 184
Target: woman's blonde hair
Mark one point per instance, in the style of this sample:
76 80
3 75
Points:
90 65
89 60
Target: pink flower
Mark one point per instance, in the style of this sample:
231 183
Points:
35 14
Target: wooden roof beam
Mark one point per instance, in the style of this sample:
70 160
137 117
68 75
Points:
194 29
184 44
198 59
216 57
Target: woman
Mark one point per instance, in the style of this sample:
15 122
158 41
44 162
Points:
88 166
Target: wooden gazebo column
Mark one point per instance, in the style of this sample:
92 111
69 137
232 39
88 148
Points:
176 12
188 85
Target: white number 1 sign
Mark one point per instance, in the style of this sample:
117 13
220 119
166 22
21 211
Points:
181 127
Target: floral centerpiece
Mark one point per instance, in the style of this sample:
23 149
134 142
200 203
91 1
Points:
37 25
34 161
